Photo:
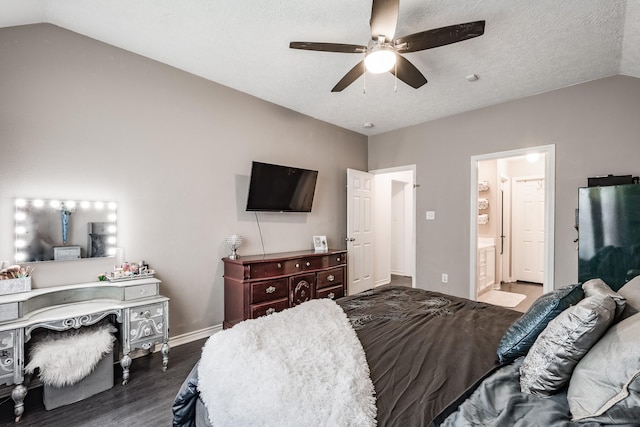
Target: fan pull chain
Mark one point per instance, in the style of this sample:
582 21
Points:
395 78
364 82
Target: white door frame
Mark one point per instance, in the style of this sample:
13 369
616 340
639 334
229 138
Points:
549 209
411 168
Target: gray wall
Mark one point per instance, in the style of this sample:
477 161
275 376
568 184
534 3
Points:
595 127
80 119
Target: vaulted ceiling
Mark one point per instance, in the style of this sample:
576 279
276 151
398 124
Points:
528 47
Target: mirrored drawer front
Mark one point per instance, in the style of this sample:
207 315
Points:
153 311
268 291
331 277
331 293
8 311
140 291
268 308
7 362
147 323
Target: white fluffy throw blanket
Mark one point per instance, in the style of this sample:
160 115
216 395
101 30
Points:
301 367
65 358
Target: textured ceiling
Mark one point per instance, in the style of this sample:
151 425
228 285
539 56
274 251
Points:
528 47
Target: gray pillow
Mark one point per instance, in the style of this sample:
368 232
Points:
605 386
548 366
597 286
631 292
523 332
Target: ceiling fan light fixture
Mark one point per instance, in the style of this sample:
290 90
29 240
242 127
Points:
380 60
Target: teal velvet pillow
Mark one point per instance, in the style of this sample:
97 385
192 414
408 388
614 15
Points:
523 332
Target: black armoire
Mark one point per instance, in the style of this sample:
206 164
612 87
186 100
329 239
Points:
609 234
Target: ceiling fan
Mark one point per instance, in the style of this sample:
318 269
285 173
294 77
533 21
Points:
383 52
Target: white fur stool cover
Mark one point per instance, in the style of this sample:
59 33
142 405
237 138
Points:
65 358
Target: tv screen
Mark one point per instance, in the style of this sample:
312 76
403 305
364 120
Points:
276 188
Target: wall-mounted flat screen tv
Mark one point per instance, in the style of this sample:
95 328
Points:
276 188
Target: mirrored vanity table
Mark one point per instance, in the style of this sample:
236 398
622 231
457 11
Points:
141 314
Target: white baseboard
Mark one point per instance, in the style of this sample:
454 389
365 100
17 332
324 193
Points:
191 336
381 282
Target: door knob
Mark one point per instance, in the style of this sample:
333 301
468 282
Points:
350 239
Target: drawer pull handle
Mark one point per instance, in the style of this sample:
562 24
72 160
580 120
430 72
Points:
308 264
271 289
338 259
297 265
279 265
270 310
331 295
331 278
145 314
147 331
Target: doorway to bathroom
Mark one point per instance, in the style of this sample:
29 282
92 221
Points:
512 226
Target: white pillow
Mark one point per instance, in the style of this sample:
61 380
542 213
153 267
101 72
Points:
605 386
631 292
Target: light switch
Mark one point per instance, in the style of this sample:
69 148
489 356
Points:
431 215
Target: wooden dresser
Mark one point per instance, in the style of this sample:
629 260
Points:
259 285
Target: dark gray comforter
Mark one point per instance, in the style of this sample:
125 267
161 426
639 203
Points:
497 401
424 350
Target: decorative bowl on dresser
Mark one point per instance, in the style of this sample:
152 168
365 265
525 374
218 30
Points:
259 285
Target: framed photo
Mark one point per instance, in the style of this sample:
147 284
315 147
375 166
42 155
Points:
320 243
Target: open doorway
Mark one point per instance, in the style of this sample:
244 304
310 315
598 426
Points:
395 224
512 226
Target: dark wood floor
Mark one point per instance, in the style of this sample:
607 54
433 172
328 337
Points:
145 401
532 290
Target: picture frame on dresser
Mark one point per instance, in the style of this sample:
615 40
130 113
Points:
320 244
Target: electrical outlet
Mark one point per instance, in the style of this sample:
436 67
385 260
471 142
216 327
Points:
431 215
445 278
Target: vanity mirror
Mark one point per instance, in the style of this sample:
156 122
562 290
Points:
56 230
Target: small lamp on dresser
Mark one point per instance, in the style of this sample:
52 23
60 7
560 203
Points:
233 242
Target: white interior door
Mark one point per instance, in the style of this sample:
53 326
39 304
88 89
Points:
360 230
528 230
504 239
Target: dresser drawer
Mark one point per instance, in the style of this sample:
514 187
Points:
331 293
263 270
332 277
304 264
140 291
268 291
337 259
145 312
8 311
147 324
268 308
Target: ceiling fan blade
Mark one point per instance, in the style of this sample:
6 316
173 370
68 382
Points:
384 18
350 77
439 37
328 47
408 73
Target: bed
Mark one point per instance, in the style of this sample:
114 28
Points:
436 360
405 333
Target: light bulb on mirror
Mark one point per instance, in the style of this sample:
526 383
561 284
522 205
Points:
233 242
